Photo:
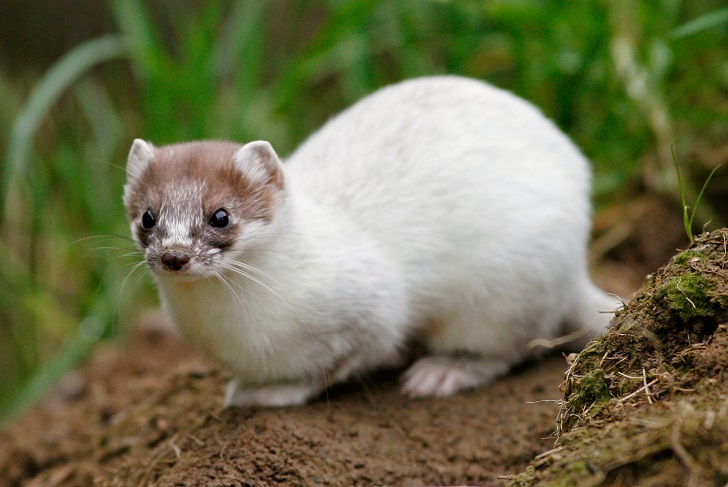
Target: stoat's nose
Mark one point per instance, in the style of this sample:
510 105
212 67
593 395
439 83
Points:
174 260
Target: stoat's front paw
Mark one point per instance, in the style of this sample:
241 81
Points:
275 395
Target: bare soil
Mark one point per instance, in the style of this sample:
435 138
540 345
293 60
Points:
149 413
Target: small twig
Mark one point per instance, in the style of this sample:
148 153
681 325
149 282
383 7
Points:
558 341
547 453
644 387
677 286
629 376
647 389
196 440
604 357
222 451
177 450
619 361
624 305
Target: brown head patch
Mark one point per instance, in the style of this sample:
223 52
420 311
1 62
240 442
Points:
205 171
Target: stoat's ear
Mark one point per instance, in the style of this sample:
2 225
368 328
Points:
259 163
139 156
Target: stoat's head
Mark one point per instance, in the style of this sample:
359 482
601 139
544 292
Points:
196 207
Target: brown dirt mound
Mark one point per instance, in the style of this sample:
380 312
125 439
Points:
149 414
647 404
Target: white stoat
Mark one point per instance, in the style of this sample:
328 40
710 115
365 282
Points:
440 209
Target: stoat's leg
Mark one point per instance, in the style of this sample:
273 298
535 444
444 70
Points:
275 395
444 375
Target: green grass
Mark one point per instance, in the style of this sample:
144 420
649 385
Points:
689 213
626 80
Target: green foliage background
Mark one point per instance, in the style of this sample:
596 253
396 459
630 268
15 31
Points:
626 79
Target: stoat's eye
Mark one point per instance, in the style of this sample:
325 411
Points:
148 220
220 218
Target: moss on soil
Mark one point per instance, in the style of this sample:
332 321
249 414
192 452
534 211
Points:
647 403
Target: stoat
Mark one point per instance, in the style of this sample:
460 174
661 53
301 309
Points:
440 209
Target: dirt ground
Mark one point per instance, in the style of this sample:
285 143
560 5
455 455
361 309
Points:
147 412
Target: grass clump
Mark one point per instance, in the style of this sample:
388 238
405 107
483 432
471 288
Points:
689 213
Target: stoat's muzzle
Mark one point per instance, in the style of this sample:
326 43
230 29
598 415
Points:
174 260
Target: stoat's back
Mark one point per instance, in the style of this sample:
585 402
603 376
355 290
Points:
433 163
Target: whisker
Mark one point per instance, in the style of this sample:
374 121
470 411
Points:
237 284
131 265
328 250
112 248
249 267
136 266
242 269
131 254
225 282
91 237
242 272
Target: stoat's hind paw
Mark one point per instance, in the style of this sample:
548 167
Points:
276 395
442 375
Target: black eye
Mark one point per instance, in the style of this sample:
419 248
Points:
220 218
148 220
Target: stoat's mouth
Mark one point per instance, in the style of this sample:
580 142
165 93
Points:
179 271
175 272
182 275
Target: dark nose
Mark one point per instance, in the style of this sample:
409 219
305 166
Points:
175 260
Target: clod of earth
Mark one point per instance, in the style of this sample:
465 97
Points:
647 403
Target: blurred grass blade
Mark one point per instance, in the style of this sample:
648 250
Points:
87 336
46 93
700 24
343 23
145 46
688 215
240 45
700 195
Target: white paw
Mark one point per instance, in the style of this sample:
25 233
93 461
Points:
441 376
277 395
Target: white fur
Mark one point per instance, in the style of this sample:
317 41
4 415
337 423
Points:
439 207
139 156
256 160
